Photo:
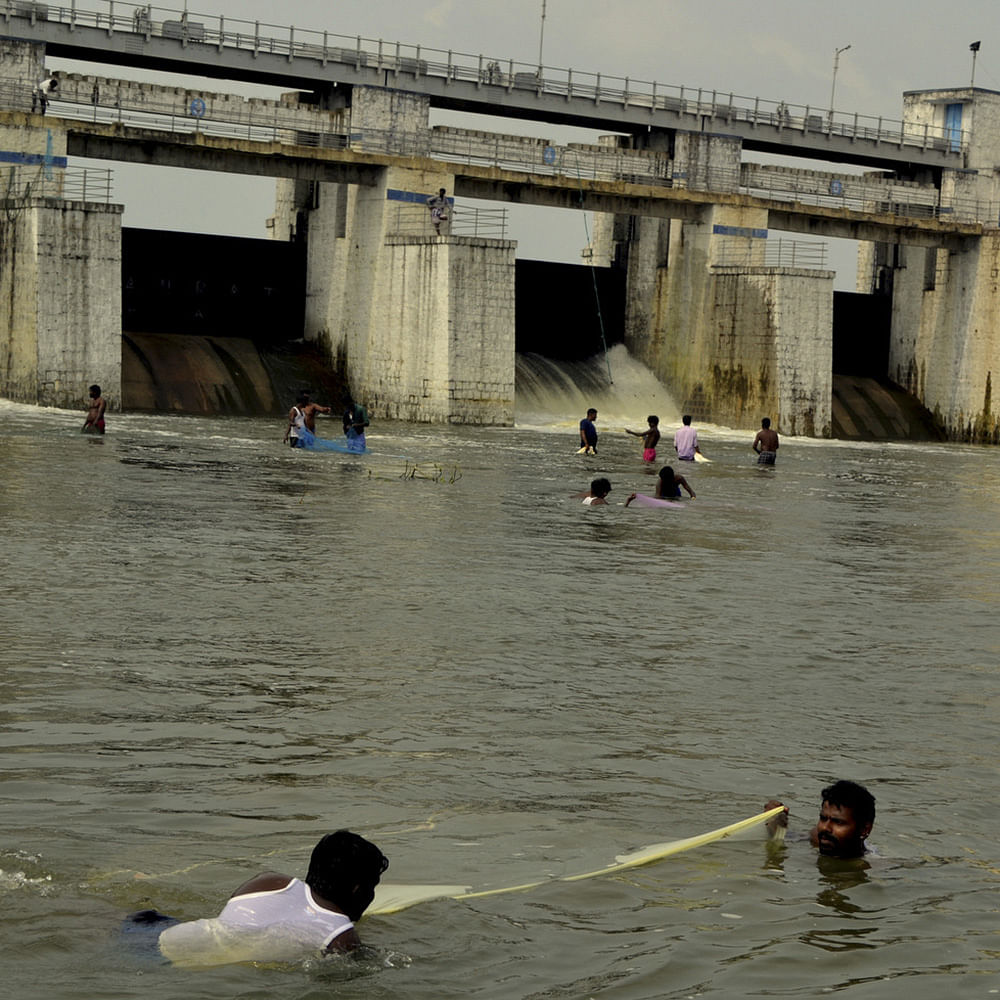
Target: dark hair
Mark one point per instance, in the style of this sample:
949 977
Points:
591 410
341 864
652 420
95 390
686 419
600 487
665 472
856 797
765 422
302 398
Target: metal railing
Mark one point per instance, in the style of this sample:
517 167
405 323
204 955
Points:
744 252
889 197
323 47
45 180
409 219
274 122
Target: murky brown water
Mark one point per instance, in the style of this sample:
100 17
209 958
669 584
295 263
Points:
214 650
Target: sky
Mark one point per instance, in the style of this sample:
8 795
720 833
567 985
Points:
773 49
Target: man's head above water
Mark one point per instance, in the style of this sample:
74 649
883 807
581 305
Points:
846 818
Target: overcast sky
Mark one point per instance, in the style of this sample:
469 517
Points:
774 49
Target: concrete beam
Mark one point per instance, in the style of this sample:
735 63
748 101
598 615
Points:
813 220
97 140
200 152
682 203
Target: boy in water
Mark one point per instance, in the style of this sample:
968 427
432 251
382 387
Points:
94 424
650 438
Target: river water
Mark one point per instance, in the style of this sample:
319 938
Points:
215 649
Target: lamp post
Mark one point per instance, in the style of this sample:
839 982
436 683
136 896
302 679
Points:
973 48
541 38
833 85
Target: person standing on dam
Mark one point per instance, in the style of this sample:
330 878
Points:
438 204
44 92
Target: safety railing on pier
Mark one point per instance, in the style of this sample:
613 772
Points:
410 219
44 180
705 108
781 252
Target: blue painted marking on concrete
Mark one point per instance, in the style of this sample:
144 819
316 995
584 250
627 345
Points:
753 234
414 197
32 159
48 156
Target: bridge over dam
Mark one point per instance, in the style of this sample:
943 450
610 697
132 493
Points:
734 322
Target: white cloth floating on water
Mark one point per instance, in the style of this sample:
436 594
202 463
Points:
393 898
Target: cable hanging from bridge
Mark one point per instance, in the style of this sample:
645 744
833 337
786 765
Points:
593 274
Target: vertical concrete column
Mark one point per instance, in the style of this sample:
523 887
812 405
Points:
23 68
945 339
731 338
60 301
706 162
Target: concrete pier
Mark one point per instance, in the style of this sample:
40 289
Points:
421 324
730 337
945 344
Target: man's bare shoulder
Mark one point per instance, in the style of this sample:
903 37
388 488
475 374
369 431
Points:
265 882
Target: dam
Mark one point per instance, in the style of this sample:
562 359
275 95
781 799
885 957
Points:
421 322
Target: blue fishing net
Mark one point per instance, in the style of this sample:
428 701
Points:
353 446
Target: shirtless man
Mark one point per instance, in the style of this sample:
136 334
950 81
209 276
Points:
279 918
766 443
846 818
94 424
303 414
650 438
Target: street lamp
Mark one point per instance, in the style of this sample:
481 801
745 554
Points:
541 38
973 48
833 85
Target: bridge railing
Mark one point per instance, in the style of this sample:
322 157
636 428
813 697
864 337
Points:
276 123
862 194
702 106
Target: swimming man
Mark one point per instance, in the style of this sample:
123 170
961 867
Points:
278 918
846 818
